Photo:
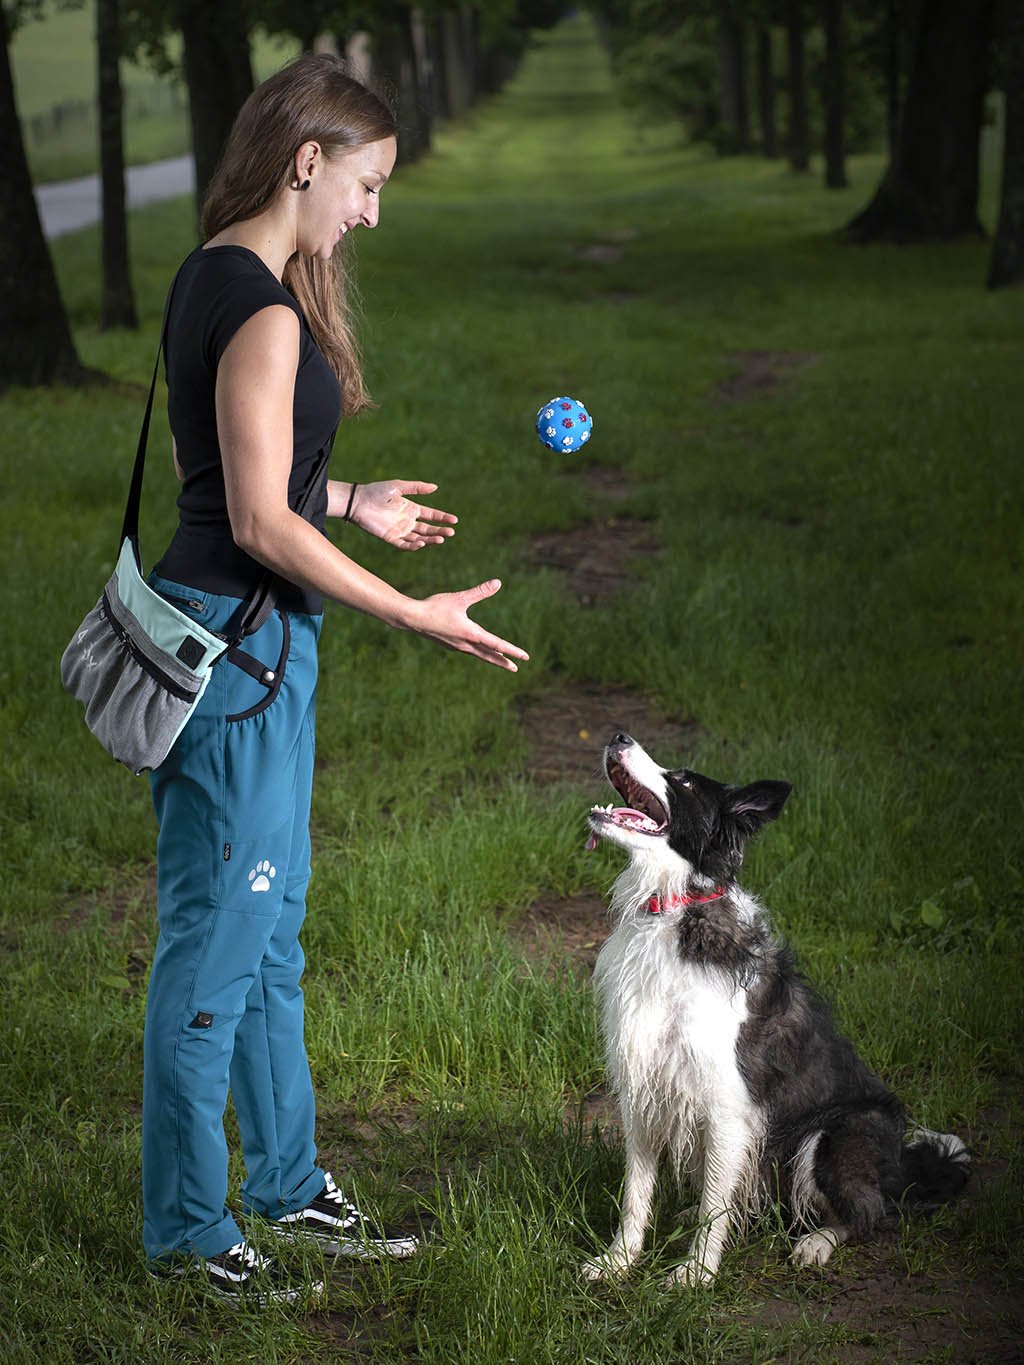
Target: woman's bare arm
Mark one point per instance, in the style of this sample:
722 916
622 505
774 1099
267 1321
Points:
254 396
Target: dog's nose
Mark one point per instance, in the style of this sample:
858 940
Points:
622 738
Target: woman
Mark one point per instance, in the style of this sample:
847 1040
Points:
261 363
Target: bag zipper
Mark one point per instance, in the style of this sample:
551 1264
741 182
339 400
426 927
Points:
170 684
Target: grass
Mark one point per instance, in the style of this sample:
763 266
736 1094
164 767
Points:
838 604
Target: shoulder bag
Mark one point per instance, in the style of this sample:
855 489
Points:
137 664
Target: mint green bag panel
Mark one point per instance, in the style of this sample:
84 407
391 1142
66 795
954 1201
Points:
138 666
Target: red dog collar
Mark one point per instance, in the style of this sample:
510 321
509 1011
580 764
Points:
657 904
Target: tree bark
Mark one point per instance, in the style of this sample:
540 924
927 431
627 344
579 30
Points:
766 94
394 53
218 73
1007 264
35 339
732 65
439 51
799 148
469 21
456 76
426 95
834 95
930 188
117 302
893 77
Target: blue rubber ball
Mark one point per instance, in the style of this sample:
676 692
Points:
564 424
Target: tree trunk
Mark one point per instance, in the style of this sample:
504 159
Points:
1007 264
766 93
470 24
893 77
35 340
439 51
218 74
799 148
395 54
834 95
732 65
117 303
359 55
426 95
456 89
930 189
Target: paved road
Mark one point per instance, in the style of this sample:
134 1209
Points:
73 204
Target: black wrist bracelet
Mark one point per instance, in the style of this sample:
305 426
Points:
351 500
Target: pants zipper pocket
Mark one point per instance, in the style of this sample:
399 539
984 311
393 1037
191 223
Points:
191 604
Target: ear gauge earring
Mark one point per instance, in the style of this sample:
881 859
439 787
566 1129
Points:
303 186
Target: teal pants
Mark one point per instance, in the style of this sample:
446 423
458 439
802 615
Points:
224 1009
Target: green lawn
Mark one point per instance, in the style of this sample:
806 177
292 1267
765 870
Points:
837 603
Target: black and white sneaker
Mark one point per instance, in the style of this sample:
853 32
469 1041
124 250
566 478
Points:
242 1275
341 1229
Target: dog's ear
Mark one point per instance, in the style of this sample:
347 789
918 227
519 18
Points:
757 804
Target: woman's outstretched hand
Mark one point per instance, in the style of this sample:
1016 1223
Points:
444 618
388 511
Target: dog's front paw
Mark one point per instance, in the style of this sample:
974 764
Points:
691 1273
604 1268
815 1248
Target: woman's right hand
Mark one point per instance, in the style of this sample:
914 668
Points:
444 618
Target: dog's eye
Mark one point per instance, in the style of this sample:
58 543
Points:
686 781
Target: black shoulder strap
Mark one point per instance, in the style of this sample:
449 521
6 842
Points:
260 602
130 527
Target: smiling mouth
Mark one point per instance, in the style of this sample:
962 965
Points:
644 813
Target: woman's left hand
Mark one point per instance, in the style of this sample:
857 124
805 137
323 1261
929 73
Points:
388 511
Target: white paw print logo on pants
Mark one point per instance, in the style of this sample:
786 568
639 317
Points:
261 876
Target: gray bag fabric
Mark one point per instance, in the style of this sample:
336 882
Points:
139 667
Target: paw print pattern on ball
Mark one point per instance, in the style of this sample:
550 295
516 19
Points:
261 876
564 424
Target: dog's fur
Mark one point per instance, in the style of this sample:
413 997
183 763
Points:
720 1053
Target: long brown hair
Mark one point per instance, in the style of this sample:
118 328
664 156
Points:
312 99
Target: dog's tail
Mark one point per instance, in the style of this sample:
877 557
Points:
935 1167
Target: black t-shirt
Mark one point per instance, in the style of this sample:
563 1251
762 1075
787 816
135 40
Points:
217 290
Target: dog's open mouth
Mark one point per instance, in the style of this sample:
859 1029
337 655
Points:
644 814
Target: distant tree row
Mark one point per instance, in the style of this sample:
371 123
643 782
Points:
847 73
438 57
844 72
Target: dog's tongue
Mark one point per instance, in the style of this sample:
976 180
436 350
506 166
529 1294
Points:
592 842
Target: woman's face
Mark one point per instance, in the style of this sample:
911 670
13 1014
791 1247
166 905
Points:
344 192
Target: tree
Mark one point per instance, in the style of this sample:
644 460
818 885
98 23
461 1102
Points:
35 340
893 74
799 135
766 92
1007 264
732 67
400 51
117 306
218 73
834 95
930 188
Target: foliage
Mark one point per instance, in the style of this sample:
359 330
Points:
667 62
